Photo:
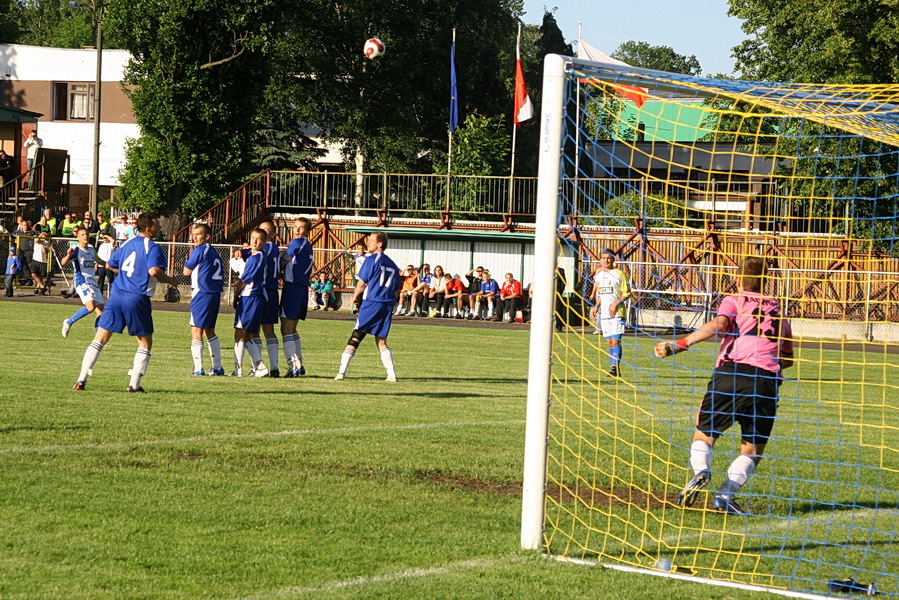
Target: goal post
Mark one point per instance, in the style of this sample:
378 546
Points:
682 178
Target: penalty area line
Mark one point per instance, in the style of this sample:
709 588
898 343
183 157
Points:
294 591
253 436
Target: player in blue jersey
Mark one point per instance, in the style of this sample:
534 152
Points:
377 290
206 270
295 295
85 261
140 263
271 310
249 305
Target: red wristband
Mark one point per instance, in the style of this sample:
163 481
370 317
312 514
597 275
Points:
682 344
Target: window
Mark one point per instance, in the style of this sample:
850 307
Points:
73 101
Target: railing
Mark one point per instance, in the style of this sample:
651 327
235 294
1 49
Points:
237 213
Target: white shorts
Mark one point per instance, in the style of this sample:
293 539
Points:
89 292
611 327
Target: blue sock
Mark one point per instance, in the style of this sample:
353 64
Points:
615 353
82 312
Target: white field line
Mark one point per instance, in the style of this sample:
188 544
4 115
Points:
290 592
253 436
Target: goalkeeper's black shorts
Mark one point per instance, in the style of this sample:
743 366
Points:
740 393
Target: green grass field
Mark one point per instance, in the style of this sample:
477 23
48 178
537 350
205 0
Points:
274 488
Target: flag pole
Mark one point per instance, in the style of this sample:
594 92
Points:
515 125
453 118
577 119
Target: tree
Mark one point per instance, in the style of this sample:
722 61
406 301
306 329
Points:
195 81
660 58
839 41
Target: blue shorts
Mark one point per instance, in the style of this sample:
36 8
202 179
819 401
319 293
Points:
374 317
125 309
294 301
249 313
204 309
270 308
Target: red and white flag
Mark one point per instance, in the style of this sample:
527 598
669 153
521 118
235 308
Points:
634 93
524 110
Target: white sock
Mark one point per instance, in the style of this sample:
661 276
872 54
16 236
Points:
700 456
90 359
196 351
290 348
271 344
255 351
239 348
139 367
737 475
215 352
387 361
345 359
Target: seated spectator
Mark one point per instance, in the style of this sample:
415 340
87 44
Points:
437 292
510 295
455 292
324 293
487 296
410 283
421 293
474 286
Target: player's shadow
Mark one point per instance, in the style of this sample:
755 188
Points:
803 508
43 429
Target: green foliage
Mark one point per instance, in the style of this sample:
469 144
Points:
660 58
480 147
839 41
657 210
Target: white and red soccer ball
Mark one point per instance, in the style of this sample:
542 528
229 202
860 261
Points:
373 48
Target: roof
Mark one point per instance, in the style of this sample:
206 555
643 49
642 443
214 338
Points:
457 234
9 114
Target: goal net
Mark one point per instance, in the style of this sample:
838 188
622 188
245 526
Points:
682 178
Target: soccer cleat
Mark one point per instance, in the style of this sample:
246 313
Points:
217 372
79 386
260 371
728 505
317 307
237 373
274 373
687 496
65 328
301 370
613 372
339 377
135 390
391 378
198 373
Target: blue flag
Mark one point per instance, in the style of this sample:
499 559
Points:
454 92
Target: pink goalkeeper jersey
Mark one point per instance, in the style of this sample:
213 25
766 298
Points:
758 334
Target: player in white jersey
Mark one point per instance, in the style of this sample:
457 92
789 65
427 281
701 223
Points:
85 260
611 290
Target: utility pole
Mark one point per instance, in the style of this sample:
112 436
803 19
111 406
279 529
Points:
95 183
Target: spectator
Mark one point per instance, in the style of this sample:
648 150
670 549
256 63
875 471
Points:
104 227
42 225
455 292
89 223
52 222
38 263
25 242
422 292
121 226
131 230
474 286
31 145
488 292
7 164
410 283
103 253
13 267
237 262
510 295
437 292
323 290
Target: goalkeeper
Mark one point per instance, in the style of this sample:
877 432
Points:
756 346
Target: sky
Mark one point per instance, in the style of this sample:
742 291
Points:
691 27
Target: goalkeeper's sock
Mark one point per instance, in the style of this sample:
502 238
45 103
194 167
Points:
737 474
700 456
79 314
345 359
90 359
615 354
387 361
215 352
139 367
196 352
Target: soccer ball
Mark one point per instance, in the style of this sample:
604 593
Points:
373 48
